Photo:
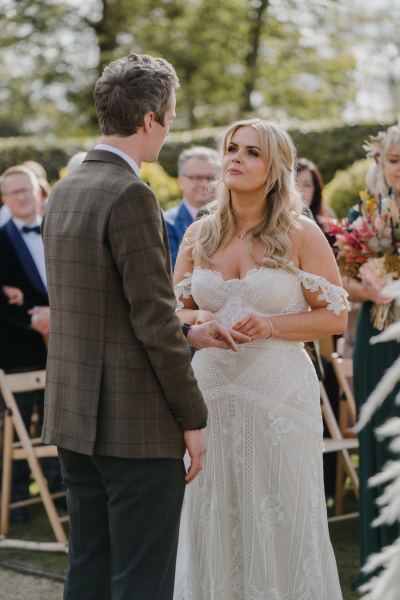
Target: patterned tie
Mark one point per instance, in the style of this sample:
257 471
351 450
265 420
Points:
32 229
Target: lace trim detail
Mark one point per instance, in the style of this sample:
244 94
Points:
335 296
183 290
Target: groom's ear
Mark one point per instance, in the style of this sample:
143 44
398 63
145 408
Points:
148 121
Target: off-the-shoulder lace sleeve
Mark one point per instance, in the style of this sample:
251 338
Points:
183 290
334 295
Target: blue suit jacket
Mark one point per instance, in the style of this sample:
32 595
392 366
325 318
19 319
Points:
20 346
177 220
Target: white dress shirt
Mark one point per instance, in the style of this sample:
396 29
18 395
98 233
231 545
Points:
35 246
118 152
5 215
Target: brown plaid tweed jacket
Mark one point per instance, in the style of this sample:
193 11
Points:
119 380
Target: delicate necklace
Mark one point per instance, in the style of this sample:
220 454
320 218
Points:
242 234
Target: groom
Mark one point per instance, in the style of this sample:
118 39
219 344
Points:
122 403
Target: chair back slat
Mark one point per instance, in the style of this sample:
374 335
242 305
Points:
343 368
24 382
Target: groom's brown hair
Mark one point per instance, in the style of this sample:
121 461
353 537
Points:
129 88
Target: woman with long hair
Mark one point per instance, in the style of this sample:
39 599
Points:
310 184
371 361
255 519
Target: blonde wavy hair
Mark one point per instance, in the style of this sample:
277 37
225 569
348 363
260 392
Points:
376 147
282 202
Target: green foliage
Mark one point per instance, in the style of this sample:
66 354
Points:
342 192
299 78
47 53
335 148
177 142
53 51
53 153
164 187
331 149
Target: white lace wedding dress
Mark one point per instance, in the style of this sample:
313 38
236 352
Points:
254 525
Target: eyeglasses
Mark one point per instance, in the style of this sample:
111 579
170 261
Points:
21 192
208 178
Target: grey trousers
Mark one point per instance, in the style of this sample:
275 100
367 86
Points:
124 526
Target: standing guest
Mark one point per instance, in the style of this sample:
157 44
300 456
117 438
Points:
24 306
197 168
310 184
75 161
256 517
122 403
371 362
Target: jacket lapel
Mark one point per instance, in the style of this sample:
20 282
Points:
25 258
166 243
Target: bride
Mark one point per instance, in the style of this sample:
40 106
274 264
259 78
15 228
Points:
255 523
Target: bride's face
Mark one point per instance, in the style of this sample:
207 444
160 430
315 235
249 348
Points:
244 168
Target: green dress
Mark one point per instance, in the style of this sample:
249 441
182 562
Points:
370 363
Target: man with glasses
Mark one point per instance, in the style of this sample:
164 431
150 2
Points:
197 168
24 318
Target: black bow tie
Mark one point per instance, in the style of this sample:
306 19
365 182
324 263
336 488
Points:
33 228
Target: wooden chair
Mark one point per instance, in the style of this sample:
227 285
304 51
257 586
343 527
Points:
343 369
343 439
25 449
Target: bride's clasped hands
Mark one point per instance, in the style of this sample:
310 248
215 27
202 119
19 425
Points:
251 326
255 327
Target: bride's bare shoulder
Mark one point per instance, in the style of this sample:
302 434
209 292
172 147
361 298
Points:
305 230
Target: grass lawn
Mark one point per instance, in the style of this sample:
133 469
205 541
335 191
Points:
344 537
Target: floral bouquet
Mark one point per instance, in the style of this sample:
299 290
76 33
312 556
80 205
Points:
367 247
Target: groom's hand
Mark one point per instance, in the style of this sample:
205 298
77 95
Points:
196 445
214 335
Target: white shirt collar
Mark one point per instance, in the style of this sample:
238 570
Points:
20 224
118 152
193 211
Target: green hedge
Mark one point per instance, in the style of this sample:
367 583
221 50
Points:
331 149
341 193
52 153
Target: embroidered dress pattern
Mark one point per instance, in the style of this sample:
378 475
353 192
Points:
254 523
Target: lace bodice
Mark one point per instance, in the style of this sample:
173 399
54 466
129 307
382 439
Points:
262 291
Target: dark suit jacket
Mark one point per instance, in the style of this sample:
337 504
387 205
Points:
119 379
177 220
20 347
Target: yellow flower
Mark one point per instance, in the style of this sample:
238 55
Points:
371 205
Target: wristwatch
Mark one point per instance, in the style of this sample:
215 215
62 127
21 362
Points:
186 328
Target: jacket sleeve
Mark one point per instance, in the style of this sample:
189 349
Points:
173 239
135 233
14 315
11 313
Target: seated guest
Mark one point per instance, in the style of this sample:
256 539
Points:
197 168
24 306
